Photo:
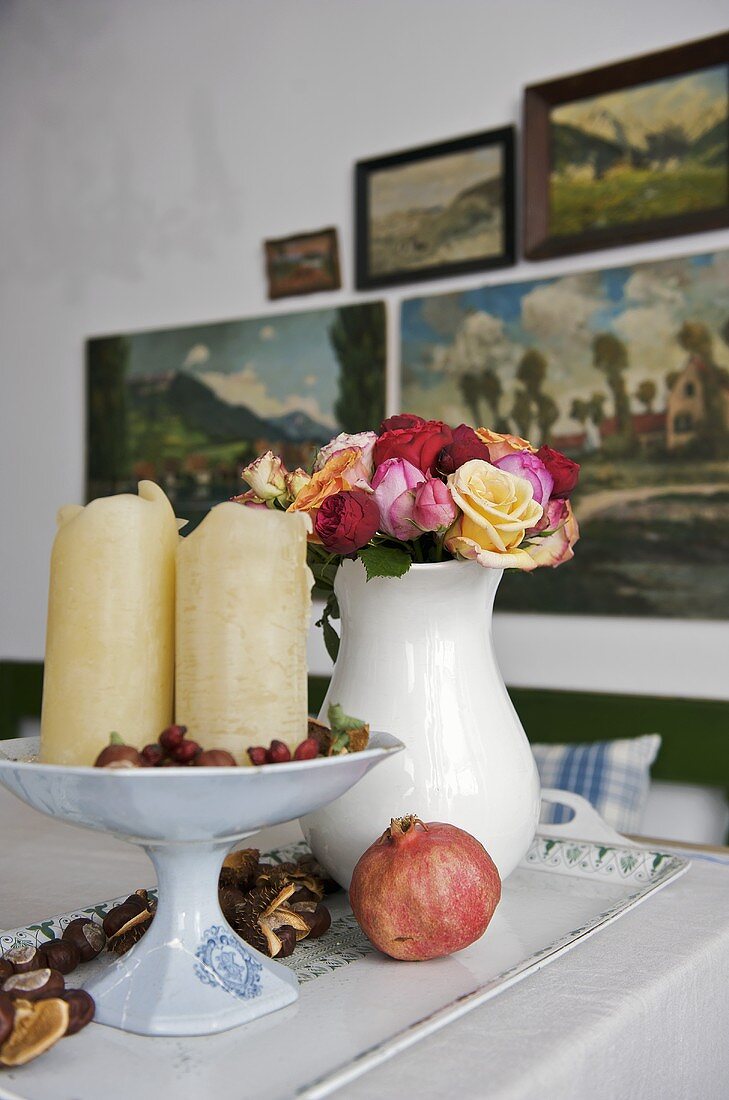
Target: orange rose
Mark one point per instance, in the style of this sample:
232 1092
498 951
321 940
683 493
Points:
332 478
500 445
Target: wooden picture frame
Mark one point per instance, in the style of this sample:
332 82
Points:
544 147
304 263
441 216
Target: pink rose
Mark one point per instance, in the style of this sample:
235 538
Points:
360 475
394 486
556 548
529 466
434 508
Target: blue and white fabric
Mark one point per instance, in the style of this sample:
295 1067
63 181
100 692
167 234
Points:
613 775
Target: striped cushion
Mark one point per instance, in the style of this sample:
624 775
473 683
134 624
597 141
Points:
613 775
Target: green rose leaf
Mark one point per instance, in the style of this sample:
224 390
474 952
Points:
384 561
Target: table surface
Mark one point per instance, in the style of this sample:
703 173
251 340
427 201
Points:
641 1010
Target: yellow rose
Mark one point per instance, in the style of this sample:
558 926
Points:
500 445
497 509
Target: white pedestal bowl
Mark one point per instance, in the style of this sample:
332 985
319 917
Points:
190 974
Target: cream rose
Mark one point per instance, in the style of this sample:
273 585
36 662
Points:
497 508
266 476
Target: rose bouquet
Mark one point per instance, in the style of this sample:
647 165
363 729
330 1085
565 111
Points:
419 491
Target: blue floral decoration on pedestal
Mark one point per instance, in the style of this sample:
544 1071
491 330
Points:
225 964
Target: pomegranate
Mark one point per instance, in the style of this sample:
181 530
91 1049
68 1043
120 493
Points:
424 890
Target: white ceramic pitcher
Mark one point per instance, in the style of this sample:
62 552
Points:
417 659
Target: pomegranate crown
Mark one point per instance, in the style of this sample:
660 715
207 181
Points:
399 826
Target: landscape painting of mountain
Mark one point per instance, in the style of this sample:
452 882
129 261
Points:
626 370
190 407
653 151
436 211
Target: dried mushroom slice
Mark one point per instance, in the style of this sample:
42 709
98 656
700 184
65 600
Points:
36 1028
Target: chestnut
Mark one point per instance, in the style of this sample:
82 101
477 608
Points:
117 917
61 955
7 1016
6 969
287 936
139 900
81 1009
34 985
87 936
24 958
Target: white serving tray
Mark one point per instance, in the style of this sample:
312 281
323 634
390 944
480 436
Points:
358 1008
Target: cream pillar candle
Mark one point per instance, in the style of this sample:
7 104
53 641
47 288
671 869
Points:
110 637
243 604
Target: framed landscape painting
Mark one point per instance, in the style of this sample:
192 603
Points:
190 407
303 264
629 152
626 370
436 211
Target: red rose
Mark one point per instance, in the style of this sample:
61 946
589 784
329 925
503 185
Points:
402 420
347 521
464 446
419 445
564 471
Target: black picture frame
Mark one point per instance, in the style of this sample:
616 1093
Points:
539 102
366 279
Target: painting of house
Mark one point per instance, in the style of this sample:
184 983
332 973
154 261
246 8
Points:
625 369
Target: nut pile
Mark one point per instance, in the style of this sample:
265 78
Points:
171 749
272 906
36 1009
174 749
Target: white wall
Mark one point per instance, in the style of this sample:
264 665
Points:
149 145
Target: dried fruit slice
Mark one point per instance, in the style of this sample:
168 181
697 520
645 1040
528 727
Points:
35 1030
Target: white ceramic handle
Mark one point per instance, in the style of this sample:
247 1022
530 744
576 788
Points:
585 825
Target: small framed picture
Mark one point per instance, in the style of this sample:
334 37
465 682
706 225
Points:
629 152
436 211
303 264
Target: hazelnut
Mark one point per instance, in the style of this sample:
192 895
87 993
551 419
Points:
81 1009
7 1016
88 937
61 955
215 758
6 969
118 917
24 958
118 756
34 985
257 755
278 753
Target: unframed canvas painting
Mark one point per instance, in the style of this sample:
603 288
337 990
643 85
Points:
190 407
627 371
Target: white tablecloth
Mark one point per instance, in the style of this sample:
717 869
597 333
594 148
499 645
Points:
640 1010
